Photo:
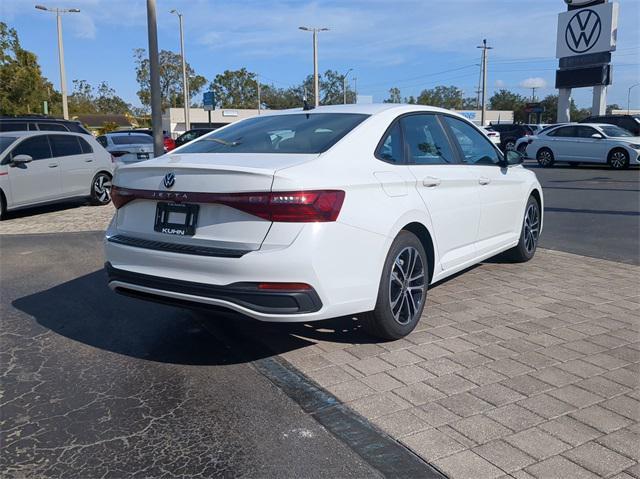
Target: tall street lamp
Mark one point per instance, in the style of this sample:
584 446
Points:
344 85
63 78
185 82
316 83
629 97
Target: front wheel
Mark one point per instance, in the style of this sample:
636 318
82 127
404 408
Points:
618 159
510 145
545 157
3 208
402 291
101 189
529 234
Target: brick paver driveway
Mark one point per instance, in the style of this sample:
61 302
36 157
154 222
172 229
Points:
515 369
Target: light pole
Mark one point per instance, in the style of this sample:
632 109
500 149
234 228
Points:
485 48
185 82
344 84
316 82
154 76
63 77
629 97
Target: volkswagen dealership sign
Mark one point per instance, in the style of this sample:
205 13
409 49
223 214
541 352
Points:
587 30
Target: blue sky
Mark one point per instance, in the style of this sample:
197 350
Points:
411 44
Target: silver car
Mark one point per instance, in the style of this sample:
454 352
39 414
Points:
577 143
127 148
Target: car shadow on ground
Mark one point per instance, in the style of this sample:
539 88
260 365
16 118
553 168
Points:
49 208
87 311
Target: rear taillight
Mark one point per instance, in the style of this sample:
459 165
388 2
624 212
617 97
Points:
286 206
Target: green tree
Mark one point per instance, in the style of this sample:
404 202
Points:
394 96
508 100
450 97
550 115
23 89
103 99
235 89
170 65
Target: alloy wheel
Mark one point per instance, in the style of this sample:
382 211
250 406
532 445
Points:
407 285
618 159
102 189
544 157
511 145
531 227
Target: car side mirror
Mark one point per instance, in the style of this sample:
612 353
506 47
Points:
597 136
21 159
513 157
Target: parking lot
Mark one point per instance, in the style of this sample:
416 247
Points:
527 370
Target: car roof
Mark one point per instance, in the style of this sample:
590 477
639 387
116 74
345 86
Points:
125 133
22 134
361 108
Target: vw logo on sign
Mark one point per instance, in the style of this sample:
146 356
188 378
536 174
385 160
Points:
169 179
583 31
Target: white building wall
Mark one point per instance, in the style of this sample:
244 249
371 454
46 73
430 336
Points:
173 119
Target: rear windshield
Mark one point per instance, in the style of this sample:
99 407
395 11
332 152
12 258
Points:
5 141
295 133
612 130
132 140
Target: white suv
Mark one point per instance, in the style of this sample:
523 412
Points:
306 215
38 168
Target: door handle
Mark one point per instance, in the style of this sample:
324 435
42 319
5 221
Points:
88 161
483 180
431 182
53 165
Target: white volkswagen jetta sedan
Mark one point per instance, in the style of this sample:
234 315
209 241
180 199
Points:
306 215
37 167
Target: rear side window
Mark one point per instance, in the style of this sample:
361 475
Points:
290 133
65 145
426 142
37 147
564 132
585 131
13 126
102 140
84 145
132 140
390 149
46 126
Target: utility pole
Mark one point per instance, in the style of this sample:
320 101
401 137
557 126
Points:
355 88
154 73
316 81
629 97
63 77
185 80
344 85
484 80
533 94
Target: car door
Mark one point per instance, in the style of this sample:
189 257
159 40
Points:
589 149
564 143
38 180
76 167
448 189
501 189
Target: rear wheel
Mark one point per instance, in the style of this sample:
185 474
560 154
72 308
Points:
618 159
402 291
529 234
545 157
101 189
3 207
510 145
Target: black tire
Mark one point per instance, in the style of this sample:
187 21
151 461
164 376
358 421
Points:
101 189
529 234
406 259
3 207
509 145
618 159
545 157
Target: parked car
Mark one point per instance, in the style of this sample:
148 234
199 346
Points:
327 222
509 134
37 168
577 143
40 123
189 135
169 143
127 147
494 136
630 123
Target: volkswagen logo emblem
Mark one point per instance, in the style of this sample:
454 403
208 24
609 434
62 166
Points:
583 31
169 179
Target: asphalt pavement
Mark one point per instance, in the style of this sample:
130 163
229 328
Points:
592 211
100 385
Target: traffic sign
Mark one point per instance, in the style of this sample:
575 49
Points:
209 100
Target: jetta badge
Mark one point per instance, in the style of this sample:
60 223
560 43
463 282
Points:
169 179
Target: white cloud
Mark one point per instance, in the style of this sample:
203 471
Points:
535 82
500 84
